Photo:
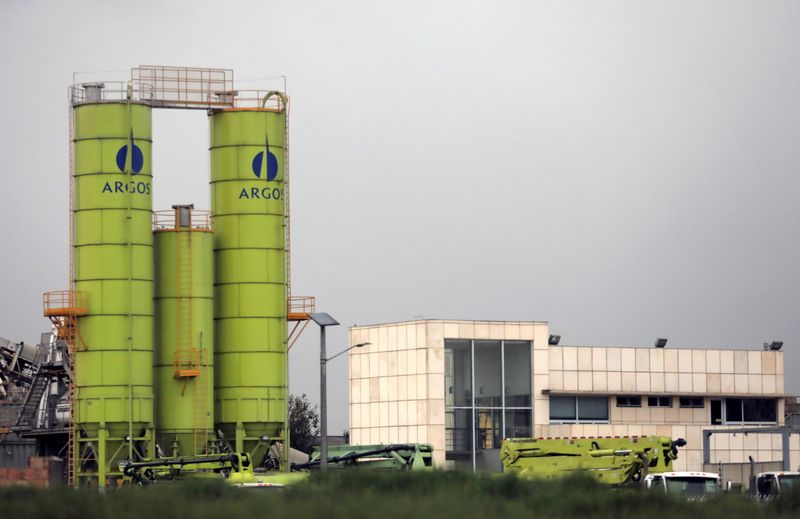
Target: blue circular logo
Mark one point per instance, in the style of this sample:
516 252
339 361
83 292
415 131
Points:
137 157
271 164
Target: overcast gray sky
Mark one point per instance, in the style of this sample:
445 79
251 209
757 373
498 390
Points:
623 170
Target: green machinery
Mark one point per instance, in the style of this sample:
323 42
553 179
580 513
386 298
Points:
184 331
612 461
231 466
112 250
405 456
234 468
248 157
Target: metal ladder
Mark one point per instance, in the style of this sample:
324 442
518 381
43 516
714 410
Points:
185 361
189 364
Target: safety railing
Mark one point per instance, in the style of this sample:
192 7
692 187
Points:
175 220
64 303
187 87
179 87
261 99
301 304
111 91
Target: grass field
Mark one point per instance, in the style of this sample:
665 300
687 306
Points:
357 494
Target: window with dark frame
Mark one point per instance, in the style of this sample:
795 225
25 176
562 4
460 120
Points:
581 409
694 402
746 410
659 401
629 401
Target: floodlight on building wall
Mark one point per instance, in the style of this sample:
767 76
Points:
660 343
554 340
773 346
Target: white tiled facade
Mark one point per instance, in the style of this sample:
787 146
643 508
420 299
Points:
397 387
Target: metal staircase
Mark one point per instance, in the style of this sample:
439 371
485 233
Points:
27 416
63 308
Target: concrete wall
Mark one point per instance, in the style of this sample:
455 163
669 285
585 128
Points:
644 371
397 387
397 383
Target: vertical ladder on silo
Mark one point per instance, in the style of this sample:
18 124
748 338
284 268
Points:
188 361
183 281
286 206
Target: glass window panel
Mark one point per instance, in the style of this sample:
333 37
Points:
458 438
733 409
562 408
716 412
518 423
458 374
759 410
488 374
518 373
659 401
593 408
488 435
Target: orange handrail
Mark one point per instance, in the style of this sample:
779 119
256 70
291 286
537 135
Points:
64 302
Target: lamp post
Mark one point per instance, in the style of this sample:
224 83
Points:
324 320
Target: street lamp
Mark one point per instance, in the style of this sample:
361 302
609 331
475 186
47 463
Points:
324 320
323 383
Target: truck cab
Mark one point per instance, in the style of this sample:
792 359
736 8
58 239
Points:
772 484
694 485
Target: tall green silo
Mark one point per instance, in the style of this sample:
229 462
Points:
113 265
248 156
184 331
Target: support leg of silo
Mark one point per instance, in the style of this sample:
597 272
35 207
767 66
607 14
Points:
150 443
102 438
240 433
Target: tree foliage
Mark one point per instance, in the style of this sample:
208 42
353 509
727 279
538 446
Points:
303 423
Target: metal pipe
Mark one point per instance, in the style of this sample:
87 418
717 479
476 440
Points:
323 405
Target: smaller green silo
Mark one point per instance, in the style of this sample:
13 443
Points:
184 330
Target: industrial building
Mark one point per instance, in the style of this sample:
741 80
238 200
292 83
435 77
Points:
171 337
463 386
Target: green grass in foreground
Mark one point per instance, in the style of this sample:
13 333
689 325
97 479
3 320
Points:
356 494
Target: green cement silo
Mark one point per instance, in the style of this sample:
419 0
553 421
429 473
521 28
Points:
184 331
247 192
113 266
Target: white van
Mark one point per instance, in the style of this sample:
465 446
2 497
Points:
690 484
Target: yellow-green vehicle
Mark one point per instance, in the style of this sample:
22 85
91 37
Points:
234 468
612 461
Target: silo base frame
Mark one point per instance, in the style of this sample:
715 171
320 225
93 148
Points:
260 447
96 450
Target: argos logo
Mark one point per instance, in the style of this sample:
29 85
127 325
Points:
264 165
130 159
133 153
